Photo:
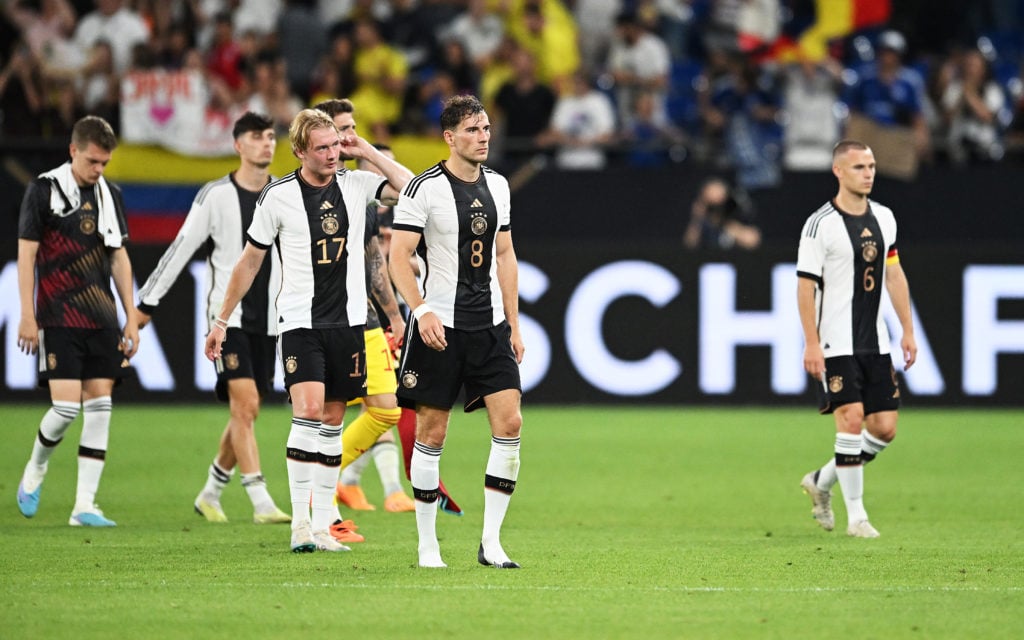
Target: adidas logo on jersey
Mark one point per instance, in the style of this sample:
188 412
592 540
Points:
866 233
87 206
476 204
326 205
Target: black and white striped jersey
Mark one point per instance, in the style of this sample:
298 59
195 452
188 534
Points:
458 222
319 232
846 255
220 214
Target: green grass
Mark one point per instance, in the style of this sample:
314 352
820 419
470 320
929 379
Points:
629 523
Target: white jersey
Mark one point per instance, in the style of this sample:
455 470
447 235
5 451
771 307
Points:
220 214
320 232
458 221
846 256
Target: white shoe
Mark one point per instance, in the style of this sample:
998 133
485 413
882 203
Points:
821 502
326 542
302 538
90 517
273 515
862 529
209 507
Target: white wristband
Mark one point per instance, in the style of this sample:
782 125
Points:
420 311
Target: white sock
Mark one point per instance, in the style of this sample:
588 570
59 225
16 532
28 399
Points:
425 475
870 446
256 487
353 473
92 451
216 479
302 459
52 428
385 457
499 483
850 471
325 476
827 475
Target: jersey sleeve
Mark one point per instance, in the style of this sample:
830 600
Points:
505 212
411 211
810 259
263 229
194 231
119 209
34 204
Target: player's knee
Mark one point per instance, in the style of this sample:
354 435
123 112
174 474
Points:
308 409
246 410
388 416
849 418
884 431
511 426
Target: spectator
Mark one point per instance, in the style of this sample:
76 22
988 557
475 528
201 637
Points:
271 93
971 108
810 94
118 25
480 32
651 142
335 75
224 59
302 41
410 29
595 20
259 16
721 219
639 63
524 105
381 73
47 31
546 29
891 95
743 107
582 125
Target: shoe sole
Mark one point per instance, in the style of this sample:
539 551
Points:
808 492
306 547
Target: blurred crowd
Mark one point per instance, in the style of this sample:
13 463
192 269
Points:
582 83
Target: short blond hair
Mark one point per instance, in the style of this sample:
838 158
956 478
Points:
305 122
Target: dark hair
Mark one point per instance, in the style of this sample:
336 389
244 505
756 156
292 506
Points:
96 130
251 121
334 106
457 108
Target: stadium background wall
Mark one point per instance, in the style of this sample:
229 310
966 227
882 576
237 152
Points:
614 310
615 325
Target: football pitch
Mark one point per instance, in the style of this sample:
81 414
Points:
629 522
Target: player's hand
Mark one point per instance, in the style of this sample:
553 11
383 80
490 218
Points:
130 339
517 345
214 341
814 361
28 336
909 347
142 317
432 331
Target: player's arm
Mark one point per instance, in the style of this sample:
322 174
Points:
193 233
403 246
121 271
814 357
899 293
380 287
242 276
508 280
397 175
28 330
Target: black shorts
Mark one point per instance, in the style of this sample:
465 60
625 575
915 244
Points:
245 355
870 379
335 357
80 354
481 360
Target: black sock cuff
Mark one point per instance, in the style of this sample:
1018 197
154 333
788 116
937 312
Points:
96 454
426 495
503 485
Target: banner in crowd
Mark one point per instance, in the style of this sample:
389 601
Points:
606 325
171 109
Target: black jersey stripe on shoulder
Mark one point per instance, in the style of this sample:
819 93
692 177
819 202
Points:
816 218
263 194
413 186
209 186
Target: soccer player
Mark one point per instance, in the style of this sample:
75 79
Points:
221 213
455 218
371 431
847 251
316 216
71 232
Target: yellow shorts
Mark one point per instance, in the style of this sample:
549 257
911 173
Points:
380 365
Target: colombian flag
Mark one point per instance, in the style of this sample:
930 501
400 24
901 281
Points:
808 34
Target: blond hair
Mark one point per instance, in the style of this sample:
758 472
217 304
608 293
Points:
304 123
